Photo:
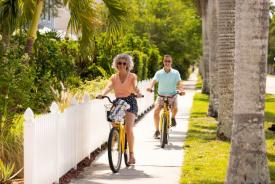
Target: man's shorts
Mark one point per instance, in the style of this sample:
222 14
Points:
173 102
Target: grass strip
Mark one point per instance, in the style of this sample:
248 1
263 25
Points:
205 158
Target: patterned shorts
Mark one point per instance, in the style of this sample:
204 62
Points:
172 101
131 100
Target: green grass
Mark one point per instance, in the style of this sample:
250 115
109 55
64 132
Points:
199 83
206 159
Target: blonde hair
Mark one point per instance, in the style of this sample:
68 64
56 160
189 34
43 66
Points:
126 57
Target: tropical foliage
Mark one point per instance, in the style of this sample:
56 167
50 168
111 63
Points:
153 28
173 26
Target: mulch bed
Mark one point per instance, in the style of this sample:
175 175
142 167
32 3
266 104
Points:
86 162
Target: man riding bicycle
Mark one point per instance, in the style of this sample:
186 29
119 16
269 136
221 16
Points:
169 81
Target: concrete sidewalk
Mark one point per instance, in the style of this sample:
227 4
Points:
153 164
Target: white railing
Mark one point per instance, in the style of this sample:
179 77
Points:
55 142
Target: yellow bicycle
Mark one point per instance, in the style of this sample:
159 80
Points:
117 141
165 120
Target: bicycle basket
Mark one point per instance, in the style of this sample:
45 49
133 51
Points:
109 109
117 112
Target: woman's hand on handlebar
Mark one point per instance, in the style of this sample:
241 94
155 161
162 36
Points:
149 90
99 96
139 95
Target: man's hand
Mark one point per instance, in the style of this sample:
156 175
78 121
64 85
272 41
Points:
181 93
149 90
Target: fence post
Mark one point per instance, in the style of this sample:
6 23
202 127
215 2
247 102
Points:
54 110
29 155
86 97
75 134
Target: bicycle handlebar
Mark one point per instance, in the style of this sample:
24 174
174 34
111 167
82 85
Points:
106 97
109 99
170 96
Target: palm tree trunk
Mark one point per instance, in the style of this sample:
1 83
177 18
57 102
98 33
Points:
248 161
225 56
5 42
213 65
205 57
34 26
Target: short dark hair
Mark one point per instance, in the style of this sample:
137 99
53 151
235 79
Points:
167 55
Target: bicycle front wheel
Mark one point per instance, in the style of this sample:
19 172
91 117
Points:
164 132
114 150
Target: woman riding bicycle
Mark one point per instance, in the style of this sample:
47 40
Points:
124 84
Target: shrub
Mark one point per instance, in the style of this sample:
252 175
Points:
144 66
153 62
138 64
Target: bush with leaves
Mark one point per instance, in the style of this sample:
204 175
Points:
54 57
138 63
144 66
154 62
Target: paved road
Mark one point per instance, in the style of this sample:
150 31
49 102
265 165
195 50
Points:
154 164
270 84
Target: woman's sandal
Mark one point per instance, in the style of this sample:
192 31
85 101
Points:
132 159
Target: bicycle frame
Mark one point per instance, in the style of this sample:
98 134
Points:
121 127
165 112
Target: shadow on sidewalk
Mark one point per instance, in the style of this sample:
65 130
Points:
124 174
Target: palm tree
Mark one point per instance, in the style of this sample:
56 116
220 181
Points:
9 13
34 26
212 28
203 4
248 161
225 57
83 20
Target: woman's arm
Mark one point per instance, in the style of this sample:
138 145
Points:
108 88
136 89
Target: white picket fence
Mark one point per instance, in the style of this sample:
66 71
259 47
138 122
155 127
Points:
55 142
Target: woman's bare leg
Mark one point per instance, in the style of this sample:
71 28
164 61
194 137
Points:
130 120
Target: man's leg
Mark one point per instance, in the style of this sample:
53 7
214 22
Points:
157 110
174 113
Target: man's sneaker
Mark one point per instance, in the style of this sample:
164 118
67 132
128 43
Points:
272 128
173 122
157 134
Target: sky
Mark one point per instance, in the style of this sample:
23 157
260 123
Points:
273 1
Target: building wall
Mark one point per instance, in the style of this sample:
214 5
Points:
58 23
61 22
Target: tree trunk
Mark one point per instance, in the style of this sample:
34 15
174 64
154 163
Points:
225 56
34 26
5 42
205 57
248 161
212 29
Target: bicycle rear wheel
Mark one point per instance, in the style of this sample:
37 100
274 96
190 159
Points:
126 152
164 132
114 150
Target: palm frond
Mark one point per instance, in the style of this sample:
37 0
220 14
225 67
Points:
116 16
9 14
83 21
28 7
